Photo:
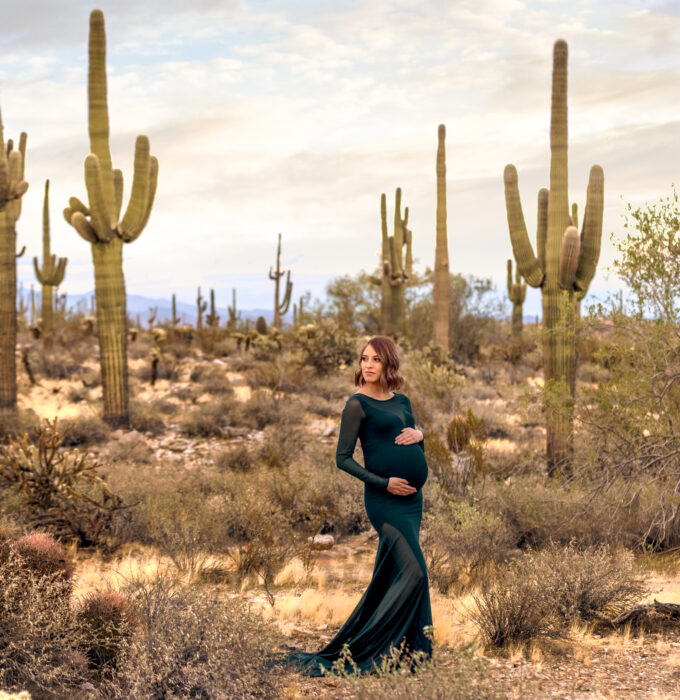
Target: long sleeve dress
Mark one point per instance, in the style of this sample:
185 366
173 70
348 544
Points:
395 607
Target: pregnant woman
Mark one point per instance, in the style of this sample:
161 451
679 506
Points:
395 608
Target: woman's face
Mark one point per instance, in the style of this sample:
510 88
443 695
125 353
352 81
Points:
371 365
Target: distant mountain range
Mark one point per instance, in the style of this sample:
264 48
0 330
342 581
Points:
141 305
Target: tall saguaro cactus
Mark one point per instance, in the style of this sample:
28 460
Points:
517 292
51 274
280 307
12 189
563 266
442 289
101 226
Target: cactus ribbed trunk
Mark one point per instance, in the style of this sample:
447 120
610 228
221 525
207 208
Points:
398 272
8 316
112 328
441 290
385 267
563 267
280 305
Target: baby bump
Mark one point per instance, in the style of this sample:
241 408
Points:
403 461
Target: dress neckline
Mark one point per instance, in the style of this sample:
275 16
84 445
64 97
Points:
394 396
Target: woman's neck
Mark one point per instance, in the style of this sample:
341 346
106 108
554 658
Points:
375 392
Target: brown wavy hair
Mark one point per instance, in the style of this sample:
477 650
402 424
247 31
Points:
386 350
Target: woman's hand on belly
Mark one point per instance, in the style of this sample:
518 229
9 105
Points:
409 436
400 487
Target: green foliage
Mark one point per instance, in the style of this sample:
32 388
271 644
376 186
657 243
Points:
432 377
649 259
325 346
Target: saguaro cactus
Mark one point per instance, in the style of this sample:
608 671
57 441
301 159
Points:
201 306
441 291
234 316
395 268
12 189
517 292
280 307
563 266
51 274
100 226
212 319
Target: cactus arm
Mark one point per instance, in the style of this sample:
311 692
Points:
38 273
286 299
570 250
527 262
21 252
101 218
408 239
60 272
509 279
134 214
83 227
591 236
397 239
574 214
76 205
542 225
151 193
98 111
117 193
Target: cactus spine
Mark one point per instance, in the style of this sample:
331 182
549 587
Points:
280 307
441 291
517 292
12 189
100 224
51 274
563 266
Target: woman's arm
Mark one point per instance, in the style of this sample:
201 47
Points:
350 423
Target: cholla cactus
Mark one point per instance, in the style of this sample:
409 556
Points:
101 226
12 189
563 265
51 274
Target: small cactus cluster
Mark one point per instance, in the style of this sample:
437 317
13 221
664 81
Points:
106 618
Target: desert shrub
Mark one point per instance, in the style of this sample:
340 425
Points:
540 593
263 409
282 373
39 636
77 393
433 379
58 490
239 458
129 447
191 644
590 583
467 677
108 621
324 346
15 423
464 545
513 609
84 430
212 378
282 448
146 417
207 419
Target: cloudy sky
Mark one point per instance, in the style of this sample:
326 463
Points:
293 116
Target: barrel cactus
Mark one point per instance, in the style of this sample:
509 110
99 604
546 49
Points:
562 266
101 225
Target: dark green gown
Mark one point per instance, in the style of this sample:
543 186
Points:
396 605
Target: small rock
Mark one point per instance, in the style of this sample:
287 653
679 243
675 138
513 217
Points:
370 534
329 430
322 541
